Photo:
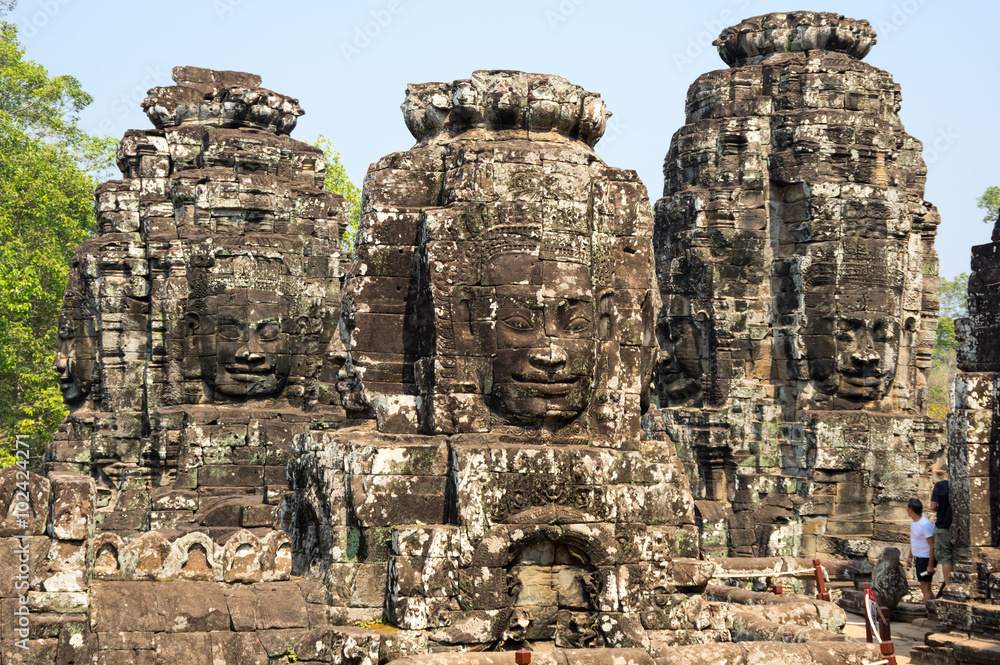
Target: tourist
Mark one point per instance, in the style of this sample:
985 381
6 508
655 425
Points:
921 546
944 551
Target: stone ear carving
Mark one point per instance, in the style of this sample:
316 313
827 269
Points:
606 314
461 312
648 316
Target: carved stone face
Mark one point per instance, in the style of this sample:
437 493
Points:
853 356
248 356
545 340
681 364
75 361
854 332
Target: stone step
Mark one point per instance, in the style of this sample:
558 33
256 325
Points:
953 649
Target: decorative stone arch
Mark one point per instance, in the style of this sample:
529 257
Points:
193 556
542 523
241 558
106 549
552 572
276 557
144 555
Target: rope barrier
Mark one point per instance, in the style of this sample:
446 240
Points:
876 621
873 625
784 573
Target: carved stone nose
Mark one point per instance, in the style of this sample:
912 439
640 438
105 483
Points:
249 356
554 357
866 356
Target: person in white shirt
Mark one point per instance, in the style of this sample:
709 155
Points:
921 546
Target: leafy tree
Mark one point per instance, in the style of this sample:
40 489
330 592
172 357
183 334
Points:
338 182
990 202
954 294
47 180
48 108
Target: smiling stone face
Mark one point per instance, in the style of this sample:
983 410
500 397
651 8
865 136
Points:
249 355
854 328
545 341
865 349
684 355
76 360
246 328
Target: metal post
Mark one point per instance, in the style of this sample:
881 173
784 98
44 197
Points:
522 657
778 590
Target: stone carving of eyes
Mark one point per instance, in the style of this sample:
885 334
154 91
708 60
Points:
268 332
848 330
578 323
883 331
519 322
229 331
577 316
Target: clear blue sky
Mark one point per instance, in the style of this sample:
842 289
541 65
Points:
640 56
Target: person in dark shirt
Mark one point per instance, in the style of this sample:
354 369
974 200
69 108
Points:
944 552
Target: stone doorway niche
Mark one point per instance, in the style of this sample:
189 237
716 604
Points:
715 469
552 589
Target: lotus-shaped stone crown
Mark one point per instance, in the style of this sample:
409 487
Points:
501 100
754 39
221 99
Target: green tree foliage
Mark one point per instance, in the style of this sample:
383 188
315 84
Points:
336 181
47 180
954 294
990 202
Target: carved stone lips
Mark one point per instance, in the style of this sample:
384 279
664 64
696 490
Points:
245 373
549 385
869 382
866 381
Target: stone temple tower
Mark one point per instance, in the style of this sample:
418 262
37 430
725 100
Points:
796 264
